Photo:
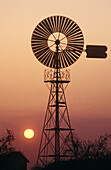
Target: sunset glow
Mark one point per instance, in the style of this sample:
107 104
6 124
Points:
24 95
29 133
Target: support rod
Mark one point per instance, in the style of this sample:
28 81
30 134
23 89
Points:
57 139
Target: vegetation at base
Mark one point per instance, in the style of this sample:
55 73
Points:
6 142
87 149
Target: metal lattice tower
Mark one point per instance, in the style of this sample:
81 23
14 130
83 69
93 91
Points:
57 127
57 42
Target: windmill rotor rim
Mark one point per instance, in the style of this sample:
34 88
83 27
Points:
51 26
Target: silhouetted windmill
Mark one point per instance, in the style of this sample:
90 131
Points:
57 42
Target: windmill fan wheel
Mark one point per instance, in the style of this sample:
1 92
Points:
57 31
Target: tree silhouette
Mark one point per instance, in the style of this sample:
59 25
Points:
6 142
87 149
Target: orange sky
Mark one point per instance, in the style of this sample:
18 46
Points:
23 94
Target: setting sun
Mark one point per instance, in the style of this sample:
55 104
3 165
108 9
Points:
29 133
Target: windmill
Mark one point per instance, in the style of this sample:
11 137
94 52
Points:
58 42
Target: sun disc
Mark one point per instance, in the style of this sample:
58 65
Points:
29 133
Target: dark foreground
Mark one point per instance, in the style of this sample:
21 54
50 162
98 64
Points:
101 164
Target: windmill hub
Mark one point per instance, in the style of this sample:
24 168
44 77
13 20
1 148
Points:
57 42
57 39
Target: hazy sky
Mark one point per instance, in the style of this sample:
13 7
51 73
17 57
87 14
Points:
23 94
